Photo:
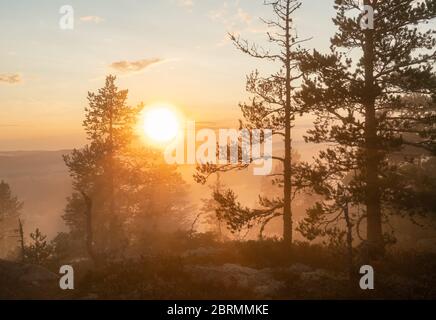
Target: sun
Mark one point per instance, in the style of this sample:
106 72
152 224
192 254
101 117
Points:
160 123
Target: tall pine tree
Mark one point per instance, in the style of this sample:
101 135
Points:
109 124
10 208
121 186
271 107
359 93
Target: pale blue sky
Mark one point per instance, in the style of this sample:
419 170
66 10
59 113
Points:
202 73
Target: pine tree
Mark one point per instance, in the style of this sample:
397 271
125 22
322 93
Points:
209 211
109 124
10 208
39 251
333 217
359 94
120 185
271 107
20 234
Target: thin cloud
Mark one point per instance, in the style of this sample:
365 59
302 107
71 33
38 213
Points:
236 20
95 19
186 3
231 15
10 78
244 17
134 66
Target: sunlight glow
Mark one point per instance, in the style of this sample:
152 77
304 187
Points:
161 123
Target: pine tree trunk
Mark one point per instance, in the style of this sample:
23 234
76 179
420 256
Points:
21 235
372 199
2 234
349 225
89 237
287 188
112 218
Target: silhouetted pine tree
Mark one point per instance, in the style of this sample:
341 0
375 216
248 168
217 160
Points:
359 94
209 211
120 185
38 251
109 124
10 208
271 107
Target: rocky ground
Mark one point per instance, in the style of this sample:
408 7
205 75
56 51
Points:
24 281
209 273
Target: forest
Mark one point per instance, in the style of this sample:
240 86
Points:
366 198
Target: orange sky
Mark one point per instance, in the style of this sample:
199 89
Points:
170 50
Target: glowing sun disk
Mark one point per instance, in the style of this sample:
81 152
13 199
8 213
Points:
160 124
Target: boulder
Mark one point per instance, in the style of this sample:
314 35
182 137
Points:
201 252
24 281
299 268
260 282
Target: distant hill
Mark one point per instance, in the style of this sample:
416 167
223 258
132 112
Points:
40 179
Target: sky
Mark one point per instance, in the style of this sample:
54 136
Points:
174 51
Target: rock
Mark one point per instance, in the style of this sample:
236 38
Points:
36 274
201 252
91 296
24 281
316 275
299 268
269 290
260 282
322 275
